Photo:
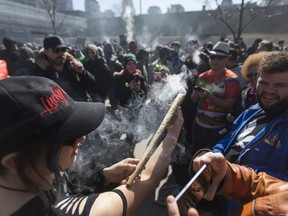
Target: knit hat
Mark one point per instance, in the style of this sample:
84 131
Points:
37 108
129 57
92 47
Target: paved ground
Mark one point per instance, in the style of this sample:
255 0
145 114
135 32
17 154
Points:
149 207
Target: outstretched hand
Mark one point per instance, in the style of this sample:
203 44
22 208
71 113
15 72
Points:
120 171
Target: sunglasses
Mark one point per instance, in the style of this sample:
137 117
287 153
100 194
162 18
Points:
218 57
58 50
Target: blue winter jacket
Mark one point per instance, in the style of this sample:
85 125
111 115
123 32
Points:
268 151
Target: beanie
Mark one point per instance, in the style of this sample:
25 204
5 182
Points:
93 47
129 57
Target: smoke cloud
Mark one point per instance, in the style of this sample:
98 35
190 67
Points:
116 137
128 17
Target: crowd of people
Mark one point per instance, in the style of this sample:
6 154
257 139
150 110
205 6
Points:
234 119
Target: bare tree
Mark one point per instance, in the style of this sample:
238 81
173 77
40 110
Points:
236 17
51 8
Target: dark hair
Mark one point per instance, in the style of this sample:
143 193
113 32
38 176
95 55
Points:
276 62
233 54
163 51
29 157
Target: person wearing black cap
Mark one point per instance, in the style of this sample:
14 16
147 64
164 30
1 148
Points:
41 131
55 63
129 83
10 55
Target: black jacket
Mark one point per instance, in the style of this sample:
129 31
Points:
76 85
122 90
103 78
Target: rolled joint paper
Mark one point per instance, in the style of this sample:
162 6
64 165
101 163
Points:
158 136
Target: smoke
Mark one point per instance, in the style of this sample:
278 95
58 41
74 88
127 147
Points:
116 137
128 17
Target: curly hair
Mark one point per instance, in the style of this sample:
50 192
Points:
276 62
252 61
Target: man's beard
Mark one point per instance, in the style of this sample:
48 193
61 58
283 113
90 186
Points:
276 109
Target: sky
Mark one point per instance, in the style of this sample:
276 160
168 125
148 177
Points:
189 5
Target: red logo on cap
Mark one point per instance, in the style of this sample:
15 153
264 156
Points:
53 102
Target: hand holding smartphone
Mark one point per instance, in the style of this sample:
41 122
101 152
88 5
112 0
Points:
194 190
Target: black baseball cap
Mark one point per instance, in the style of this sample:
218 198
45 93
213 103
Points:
38 108
54 41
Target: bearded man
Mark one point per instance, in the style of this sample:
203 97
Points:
258 137
55 63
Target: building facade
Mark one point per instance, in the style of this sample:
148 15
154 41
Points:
29 23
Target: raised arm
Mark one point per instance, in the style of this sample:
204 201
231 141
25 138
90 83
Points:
109 203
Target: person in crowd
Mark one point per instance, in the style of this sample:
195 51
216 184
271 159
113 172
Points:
155 54
133 47
192 46
175 56
129 83
254 46
161 72
123 44
114 65
257 137
163 59
281 45
248 97
265 46
216 93
236 66
41 131
142 57
10 54
260 194
98 67
26 61
54 62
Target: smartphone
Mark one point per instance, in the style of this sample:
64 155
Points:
190 183
194 190
136 78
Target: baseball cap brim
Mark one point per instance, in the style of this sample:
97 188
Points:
62 46
84 119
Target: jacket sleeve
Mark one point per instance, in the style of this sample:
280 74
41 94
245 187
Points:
261 194
265 168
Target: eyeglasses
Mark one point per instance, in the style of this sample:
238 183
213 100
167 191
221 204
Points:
58 50
218 57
